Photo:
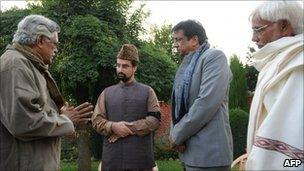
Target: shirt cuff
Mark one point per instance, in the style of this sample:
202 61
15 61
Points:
109 128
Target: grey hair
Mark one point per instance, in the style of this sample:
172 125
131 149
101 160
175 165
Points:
33 26
281 10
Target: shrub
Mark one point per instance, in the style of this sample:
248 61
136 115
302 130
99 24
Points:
251 77
239 123
162 148
156 69
238 85
69 150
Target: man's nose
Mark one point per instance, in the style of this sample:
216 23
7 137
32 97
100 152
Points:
254 37
118 68
55 50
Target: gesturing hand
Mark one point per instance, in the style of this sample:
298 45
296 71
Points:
80 114
120 129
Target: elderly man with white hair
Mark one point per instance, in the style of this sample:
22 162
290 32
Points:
32 111
275 130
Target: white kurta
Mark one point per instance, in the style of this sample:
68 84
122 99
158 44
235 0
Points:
275 130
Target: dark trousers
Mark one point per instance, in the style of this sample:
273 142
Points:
193 168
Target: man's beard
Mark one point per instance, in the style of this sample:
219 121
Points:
121 76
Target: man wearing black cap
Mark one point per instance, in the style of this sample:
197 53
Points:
127 113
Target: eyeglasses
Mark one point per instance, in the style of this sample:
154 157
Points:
178 40
259 30
56 44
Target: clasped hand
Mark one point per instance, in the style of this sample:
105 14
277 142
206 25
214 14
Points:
178 148
120 130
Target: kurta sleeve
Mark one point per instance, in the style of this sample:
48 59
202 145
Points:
152 121
213 88
153 105
99 120
26 111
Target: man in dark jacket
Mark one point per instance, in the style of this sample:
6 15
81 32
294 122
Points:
127 114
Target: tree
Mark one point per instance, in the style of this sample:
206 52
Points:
92 31
239 123
251 72
238 88
163 39
89 49
251 77
157 70
89 36
8 22
249 54
133 28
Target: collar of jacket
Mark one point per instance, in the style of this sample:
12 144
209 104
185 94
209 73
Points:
31 55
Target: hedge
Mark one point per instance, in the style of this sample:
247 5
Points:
238 122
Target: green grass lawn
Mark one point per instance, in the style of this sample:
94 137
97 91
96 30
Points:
164 165
169 165
72 166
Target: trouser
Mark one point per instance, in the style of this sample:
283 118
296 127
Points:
217 168
155 168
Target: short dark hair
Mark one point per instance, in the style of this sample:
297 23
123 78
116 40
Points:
192 28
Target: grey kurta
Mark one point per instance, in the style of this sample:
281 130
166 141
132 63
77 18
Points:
30 123
205 128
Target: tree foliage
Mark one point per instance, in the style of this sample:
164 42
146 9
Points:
134 29
8 22
92 32
157 70
90 48
251 72
163 39
239 123
251 77
238 88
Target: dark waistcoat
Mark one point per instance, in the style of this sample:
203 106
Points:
127 103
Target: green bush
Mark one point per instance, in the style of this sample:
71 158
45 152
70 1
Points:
238 85
238 123
162 148
156 69
162 153
69 150
251 77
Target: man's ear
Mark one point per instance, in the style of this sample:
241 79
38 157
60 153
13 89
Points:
194 41
195 38
39 41
286 28
284 24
